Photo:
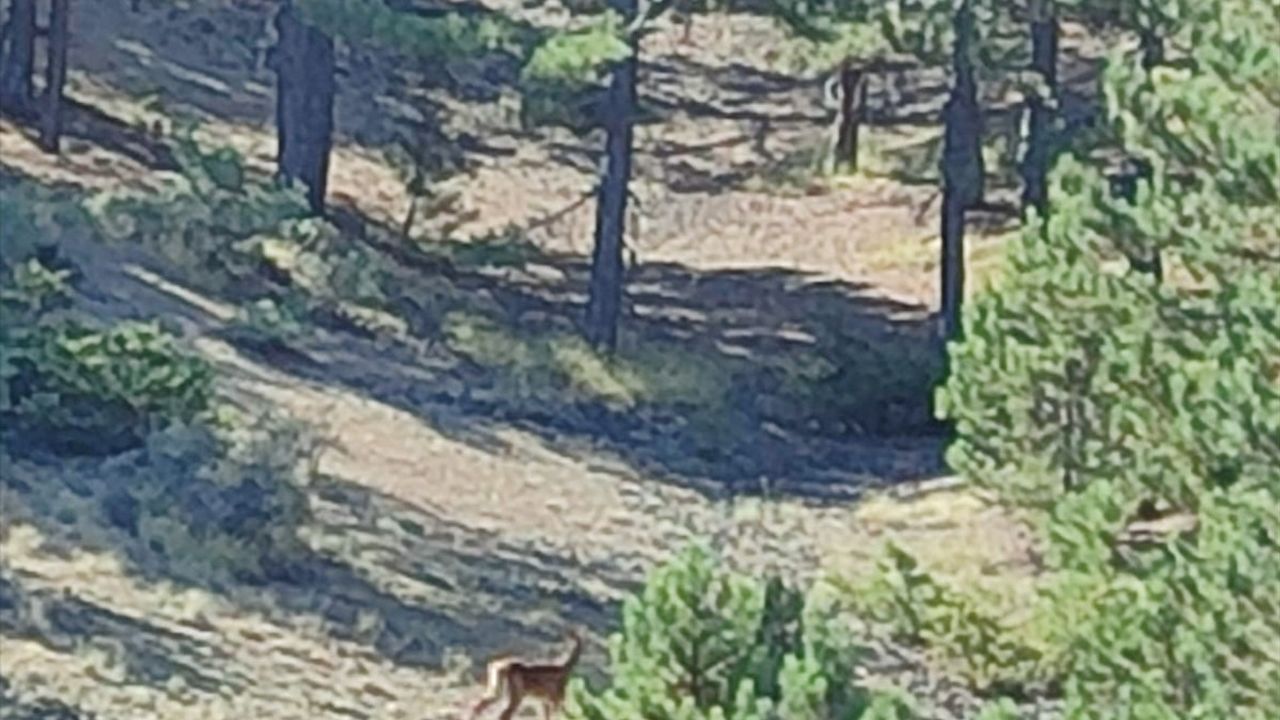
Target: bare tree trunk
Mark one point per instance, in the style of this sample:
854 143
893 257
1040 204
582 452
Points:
952 263
55 75
303 63
17 57
963 172
1044 60
604 301
853 103
1152 48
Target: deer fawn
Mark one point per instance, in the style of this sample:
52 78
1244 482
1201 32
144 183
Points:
515 679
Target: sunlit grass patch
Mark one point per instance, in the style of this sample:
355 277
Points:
562 367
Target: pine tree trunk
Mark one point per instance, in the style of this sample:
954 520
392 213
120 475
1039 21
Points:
1044 60
303 63
952 263
55 76
604 301
1152 48
17 57
963 173
962 166
853 103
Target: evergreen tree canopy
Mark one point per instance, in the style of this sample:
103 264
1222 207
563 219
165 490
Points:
1127 367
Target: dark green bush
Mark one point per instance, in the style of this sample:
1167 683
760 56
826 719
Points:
79 390
703 642
69 387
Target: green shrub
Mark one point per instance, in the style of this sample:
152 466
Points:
1187 628
198 218
271 321
212 501
35 219
702 642
76 389
565 72
961 629
226 232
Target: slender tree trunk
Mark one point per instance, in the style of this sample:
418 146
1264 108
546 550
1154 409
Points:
55 75
17 57
1044 60
604 302
963 173
1152 48
853 103
952 263
303 63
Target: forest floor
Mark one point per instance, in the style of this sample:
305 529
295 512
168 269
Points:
445 531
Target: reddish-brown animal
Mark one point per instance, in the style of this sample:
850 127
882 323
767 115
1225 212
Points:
515 679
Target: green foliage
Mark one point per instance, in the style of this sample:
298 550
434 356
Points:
64 384
882 385
702 642
1188 628
577 56
821 21
319 262
565 69
508 248
85 390
227 232
34 218
272 321
197 218
551 368
1002 709
823 52
923 29
1084 366
451 36
959 627
1128 361
219 499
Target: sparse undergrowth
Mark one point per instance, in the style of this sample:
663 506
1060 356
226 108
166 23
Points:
160 457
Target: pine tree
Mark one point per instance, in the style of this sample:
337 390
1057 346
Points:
700 642
1102 393
304 58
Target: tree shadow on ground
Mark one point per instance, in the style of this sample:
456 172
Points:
821 388
208 63
146 653
88 123
43 707
379 572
